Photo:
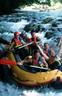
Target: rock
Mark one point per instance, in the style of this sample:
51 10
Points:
47 20
31 27
54 24
27 28
48 35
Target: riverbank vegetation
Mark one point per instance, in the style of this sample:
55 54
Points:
8 5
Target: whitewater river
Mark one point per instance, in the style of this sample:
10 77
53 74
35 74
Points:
50 23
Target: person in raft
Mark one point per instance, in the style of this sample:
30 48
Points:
31 37
16 42
48 55
22 53
37 59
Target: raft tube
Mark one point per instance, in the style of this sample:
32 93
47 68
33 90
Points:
32 79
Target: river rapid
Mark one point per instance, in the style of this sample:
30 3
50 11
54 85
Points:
49 23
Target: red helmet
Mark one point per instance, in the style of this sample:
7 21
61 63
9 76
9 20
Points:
16 33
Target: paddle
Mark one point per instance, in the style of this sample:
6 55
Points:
41 51
4 41
20 47
7 62
40 68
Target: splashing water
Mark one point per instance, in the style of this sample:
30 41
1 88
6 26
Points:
30 93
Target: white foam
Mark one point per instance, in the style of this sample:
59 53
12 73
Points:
14 26
31 93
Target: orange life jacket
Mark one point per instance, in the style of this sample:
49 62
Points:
17 42
34 38
29 39
35 62
35 59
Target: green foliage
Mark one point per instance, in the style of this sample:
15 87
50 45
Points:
8 4
11 4
60 1
23 2
49 3
44 2
55 1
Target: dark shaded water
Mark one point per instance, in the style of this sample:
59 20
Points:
50 24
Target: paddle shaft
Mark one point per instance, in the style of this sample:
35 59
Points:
41 51
32 66
19 47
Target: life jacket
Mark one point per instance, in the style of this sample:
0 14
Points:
35 59
29 39
35 62
17 42
32 38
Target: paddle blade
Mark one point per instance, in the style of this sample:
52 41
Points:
7 62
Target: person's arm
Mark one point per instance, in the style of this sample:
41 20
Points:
44 62
41 51
52 52
11 46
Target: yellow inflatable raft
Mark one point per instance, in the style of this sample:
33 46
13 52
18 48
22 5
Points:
32 78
